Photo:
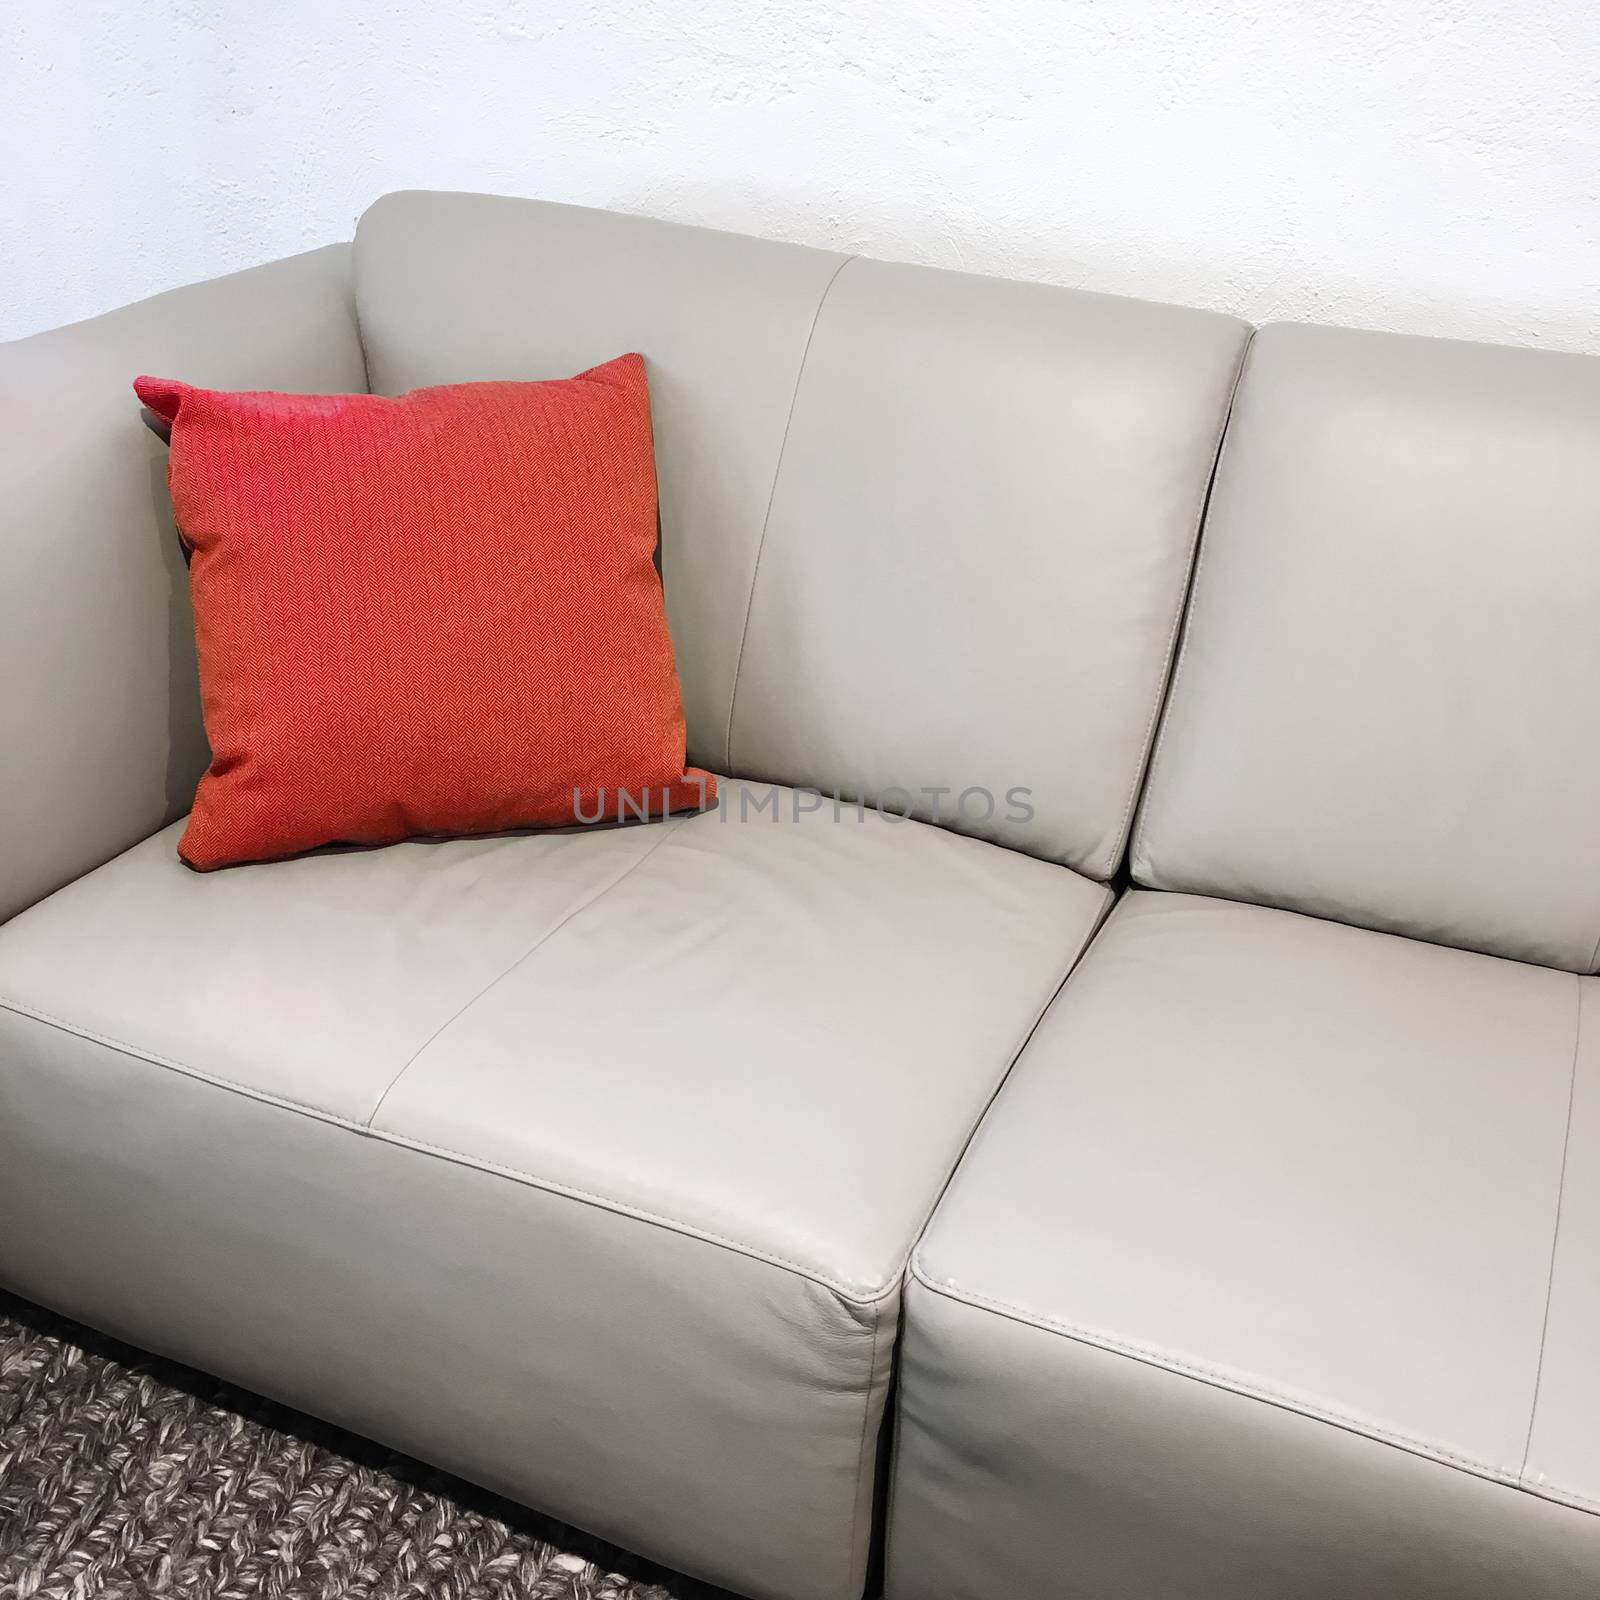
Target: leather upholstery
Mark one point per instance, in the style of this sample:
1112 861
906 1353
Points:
100 724
1387 704
633 1128
920 530
978 550
1032 1464
1241 1288
1564 1445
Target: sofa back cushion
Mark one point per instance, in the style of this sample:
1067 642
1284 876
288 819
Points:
977 552
1387 703
925 536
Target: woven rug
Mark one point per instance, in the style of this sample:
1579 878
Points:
123 1475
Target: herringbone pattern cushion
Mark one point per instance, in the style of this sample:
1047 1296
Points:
430 614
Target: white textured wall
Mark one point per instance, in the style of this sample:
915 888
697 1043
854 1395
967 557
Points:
1420 164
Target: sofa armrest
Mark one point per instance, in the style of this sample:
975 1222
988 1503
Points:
101 740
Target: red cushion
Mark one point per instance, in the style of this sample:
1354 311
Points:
434 614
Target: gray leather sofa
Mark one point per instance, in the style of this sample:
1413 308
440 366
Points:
634 1172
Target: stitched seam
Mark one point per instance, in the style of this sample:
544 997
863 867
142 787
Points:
1555 1238
848 1295
772 495
1219 1378
1571 1497
322 1113
625 1208
1188 608
549 933
861 1448
1594 955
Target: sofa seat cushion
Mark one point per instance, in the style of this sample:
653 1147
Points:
584 1164
1242 1288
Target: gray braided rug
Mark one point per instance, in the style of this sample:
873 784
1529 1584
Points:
122 1475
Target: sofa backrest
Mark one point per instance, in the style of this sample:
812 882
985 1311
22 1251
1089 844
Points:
924 535
1386 708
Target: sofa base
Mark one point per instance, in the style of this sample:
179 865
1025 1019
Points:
486 1326
1030 1463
